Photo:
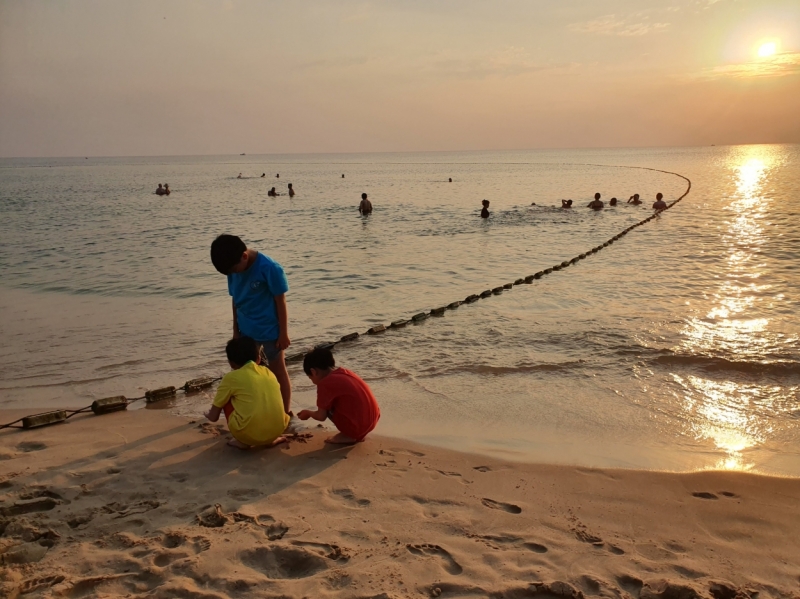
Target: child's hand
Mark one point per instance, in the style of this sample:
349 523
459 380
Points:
283 341
304 414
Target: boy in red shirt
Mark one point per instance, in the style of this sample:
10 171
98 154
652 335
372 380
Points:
341 396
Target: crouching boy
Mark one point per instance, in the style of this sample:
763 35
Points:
341 396
250 397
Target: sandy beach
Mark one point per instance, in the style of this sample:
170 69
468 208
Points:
144 504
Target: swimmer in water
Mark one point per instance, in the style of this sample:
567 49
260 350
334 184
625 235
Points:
240 176
450 180
566 203
612 202
277 175
291 191
263 175
596 204
160 190
272 193
166 189
634 199
342 175
485 210
659 204
365 207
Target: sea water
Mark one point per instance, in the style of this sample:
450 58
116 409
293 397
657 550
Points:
675 348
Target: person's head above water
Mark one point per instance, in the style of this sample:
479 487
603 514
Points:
659 196
290 185
613 201
242 350
363 196
597 196
226 252
450 179
485 203
569 202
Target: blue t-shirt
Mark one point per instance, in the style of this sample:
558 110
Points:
254 292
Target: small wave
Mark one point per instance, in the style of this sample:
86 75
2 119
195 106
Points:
709 364
504 370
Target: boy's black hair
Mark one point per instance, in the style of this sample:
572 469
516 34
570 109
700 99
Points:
363 196
321 359
242 350
226 252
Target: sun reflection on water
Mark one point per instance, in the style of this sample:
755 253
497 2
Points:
736 324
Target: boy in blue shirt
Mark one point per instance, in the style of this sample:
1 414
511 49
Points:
258 287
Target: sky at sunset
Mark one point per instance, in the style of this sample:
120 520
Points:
174 77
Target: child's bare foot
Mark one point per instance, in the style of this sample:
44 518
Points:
340 439
277 441
238 444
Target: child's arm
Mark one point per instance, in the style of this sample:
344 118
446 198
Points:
213 413
283 321
315 414
235 323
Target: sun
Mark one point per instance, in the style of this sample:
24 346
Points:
767 49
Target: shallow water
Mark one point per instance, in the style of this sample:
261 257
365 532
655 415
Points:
675 348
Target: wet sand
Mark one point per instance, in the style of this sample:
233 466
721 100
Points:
147 504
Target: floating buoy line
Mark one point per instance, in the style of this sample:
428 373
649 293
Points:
117 403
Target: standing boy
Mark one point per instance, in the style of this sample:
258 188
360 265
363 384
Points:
258 287
341 396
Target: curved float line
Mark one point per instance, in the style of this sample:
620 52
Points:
526 280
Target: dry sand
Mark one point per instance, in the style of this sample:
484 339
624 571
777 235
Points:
146 504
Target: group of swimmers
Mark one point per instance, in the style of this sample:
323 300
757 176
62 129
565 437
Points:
163 191
274 194
597 203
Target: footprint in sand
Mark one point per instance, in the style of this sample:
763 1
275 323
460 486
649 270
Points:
728 494
450 565
162 560
28 446
499 505
329 550
348 494
173 540
212 517
35 584
631 584
279 562
535 547
243 494
416 454
704 495
274 529
482 468
201 544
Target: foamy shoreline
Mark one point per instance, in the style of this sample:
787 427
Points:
125 504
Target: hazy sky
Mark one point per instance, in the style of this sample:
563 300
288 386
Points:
114 77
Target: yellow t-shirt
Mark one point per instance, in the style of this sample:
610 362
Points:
255 394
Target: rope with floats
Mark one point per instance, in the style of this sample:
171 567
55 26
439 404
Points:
111 404
117 403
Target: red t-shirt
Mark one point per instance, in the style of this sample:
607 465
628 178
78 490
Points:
350 403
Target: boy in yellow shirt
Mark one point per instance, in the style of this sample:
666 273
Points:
250 397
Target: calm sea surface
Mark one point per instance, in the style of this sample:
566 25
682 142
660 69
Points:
678 347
